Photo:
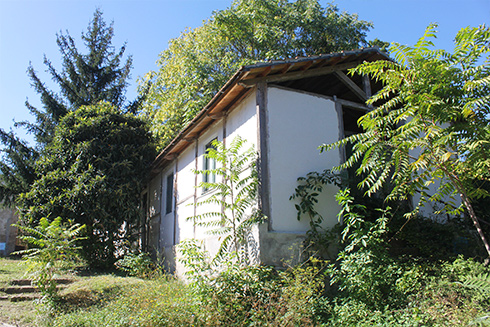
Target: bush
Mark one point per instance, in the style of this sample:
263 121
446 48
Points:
92 172
137 265
52 247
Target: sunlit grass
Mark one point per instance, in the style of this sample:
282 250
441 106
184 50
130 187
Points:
22 313
116 301
11 269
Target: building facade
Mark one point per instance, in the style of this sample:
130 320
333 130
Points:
286 110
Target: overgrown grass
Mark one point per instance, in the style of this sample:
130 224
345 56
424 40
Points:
433 295
10 269
22 313
128 301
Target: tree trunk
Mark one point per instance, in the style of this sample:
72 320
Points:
473 217
466 201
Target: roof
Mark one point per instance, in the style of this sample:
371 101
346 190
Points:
291 73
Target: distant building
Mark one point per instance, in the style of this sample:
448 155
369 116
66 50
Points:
8 233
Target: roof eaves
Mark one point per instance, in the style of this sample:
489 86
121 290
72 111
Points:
166 151
318 57
165 155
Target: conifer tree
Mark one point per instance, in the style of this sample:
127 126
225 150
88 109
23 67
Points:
85 79
101 74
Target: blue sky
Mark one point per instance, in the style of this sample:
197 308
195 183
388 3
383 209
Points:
28 31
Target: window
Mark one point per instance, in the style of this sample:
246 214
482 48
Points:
209 164
169 196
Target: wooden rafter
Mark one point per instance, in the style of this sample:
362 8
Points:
351 85
285 69
299 74
307 65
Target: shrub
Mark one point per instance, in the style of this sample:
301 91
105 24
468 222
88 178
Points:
53 246
137 265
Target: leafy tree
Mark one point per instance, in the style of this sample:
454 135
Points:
235 194
198 63
92 172
431 126
85 79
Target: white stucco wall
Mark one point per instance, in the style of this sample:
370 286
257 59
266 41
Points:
240 121
243 121
185 194
298 124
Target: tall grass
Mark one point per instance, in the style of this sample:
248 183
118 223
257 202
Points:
128 302
260 296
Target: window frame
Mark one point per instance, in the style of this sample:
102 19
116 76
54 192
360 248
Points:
208 164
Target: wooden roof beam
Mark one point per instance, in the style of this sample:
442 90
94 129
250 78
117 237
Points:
171 156
217 115
298 74
307 65
351 85
265 72
285 69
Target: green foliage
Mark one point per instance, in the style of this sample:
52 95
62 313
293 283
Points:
198 63
307 193
92 173
262 296
364 269
431 124
138 265
17 167
101 74
234 193
318 240
371 286
431 240
85 79
481 283
358 232
53 245
195 259
232 294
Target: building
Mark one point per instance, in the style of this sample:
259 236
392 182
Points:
8 233
286 109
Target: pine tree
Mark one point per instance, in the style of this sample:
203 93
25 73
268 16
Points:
84 79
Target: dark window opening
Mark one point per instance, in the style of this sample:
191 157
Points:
169 194
351 127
